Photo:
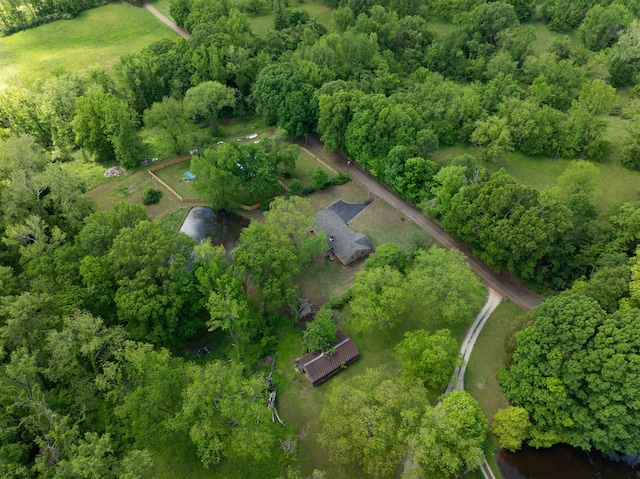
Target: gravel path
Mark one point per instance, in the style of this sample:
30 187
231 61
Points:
493 301
180 31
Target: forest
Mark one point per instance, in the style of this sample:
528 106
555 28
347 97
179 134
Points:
97 306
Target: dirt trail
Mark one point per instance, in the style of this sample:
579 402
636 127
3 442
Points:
501 283
493 301
180 31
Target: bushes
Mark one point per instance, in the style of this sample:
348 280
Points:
320 180
151 196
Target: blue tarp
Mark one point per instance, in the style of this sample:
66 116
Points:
189 176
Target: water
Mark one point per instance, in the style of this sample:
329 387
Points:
222 227
561 462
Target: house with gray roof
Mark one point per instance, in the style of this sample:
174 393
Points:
342 242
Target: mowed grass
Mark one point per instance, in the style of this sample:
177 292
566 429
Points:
174 177
300 403
95 38
545 37
382 223
307 162
489 356
615 185
350 192
163 6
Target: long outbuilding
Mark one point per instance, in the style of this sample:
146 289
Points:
318 366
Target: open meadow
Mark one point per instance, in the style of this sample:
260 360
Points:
318 11
95 38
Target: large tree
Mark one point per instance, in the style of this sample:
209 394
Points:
366 418
205 100
445 286
106 126
378 298
450 437
225 413
429 358
575 371
155 297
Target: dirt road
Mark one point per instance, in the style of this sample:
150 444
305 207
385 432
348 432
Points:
501 283
469 341
183 33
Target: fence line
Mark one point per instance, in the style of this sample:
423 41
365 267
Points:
166 164
183 159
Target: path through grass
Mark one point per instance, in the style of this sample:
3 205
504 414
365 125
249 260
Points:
489 356
95 38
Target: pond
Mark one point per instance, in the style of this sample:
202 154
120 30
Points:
562 462
222 227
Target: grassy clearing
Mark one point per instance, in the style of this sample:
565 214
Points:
489 356
265 22
350 192
384 224
300 402
96 38
130 186
545 37
324 279
174 177
441 26
616 184
305 163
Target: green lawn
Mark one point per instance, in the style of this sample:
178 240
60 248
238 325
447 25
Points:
441 26
95 38
174 177
488 356
304 164
130 186
382 223
545 37
616 184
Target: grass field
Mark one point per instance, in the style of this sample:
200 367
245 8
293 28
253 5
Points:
489 355
163 7
545 37
616 184
174 177
261 24
305 163
300 402
129 188
384 224
95 38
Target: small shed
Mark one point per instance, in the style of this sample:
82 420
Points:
318 367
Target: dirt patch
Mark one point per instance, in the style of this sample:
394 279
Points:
302 431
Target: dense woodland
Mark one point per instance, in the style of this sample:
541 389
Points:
96 306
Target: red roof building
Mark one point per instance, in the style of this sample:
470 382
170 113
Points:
318 366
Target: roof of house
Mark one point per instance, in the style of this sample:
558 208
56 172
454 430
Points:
319 367
340 237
